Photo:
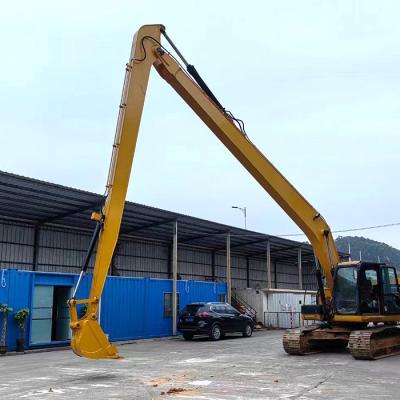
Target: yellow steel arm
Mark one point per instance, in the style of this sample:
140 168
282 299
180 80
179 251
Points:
278 187
88 338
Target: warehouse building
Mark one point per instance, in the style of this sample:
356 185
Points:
45 230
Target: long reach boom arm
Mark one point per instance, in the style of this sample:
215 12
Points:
88 339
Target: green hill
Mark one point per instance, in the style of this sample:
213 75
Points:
371 250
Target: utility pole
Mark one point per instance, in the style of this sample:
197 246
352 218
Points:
244 211
349 250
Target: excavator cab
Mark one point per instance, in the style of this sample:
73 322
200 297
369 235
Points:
363 288
363 293
360 289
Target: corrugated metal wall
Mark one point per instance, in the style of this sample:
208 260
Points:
287 276
258 273
284 309
16 245
194 264
309 278
142 259
63 250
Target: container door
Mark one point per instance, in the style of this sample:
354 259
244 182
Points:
42 313
61 330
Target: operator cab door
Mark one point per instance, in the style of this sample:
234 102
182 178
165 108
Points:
369 289
390 291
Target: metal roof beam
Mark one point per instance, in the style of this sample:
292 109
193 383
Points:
69 213
245 244
278 250
285 248
147 226
202 236
294 257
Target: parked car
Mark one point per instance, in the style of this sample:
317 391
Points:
214 320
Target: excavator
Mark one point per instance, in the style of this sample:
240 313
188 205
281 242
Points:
358 302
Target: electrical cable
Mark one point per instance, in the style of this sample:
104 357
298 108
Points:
3 278
349 229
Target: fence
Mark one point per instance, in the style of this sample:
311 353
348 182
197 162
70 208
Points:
284 319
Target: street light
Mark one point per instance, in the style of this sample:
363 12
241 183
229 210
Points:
244 211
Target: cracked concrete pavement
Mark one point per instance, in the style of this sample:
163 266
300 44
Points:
171 368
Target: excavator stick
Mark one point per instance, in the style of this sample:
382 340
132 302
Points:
88 339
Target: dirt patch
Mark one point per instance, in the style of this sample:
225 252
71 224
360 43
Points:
180 391
165 380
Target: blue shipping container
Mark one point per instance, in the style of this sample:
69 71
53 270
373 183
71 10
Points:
131 308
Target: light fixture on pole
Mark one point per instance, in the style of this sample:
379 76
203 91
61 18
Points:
244 211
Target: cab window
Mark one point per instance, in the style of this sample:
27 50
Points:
369 290
346 290
391 298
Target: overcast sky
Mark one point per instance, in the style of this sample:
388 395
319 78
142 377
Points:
316 82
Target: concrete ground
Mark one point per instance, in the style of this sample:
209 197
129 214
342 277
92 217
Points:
233 368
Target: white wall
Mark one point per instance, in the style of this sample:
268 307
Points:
277 308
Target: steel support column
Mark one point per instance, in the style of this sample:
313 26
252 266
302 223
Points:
269 281
248 271
228 268
275 275
169 261
174 277
213 266
35 257
300 269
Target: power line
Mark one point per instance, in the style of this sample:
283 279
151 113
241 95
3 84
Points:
349 230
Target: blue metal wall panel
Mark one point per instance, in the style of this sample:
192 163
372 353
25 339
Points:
17 294
131 308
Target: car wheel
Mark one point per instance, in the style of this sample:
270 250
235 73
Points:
248 331
188 336
216 332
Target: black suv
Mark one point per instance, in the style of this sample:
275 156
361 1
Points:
213 319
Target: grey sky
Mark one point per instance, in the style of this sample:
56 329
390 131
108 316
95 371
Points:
316 82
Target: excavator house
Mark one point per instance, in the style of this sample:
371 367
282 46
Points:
358 302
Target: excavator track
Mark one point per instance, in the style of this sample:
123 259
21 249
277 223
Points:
375 343
296 341
315 339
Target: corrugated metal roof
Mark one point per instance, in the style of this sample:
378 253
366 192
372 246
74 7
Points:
39 202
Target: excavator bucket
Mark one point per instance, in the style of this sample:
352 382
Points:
89 340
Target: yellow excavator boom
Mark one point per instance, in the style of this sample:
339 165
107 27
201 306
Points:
88 339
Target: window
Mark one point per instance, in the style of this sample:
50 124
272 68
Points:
221 298
346 291
168 304
232 311
391 300
219 309
369 291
